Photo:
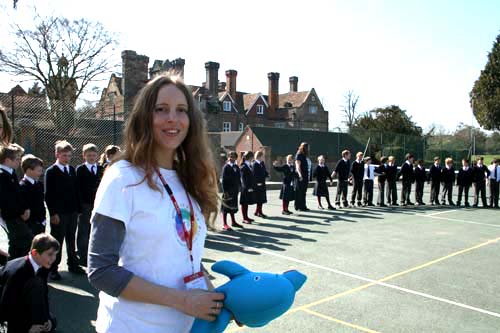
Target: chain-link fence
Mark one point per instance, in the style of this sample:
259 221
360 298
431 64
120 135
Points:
38 123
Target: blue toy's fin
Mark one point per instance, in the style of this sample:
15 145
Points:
217 326
296 278
229 268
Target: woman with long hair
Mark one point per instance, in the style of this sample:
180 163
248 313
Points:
302 168
109 154
5 138
150 218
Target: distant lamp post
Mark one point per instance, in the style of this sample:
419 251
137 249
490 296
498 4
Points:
339 130
112 98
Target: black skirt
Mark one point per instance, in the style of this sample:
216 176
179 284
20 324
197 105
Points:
321 189
287 192
260 194
230 202
247 198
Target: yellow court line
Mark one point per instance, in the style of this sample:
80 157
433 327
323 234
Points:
338 321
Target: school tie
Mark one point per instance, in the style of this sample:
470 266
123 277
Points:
368 172
92 169
66 171
496 170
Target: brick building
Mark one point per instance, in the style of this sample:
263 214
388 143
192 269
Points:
226 108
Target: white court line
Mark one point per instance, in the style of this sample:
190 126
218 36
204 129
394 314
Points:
443 212
458 220
358 277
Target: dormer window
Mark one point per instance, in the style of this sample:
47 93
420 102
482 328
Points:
226 106
313 98
260 109
313 108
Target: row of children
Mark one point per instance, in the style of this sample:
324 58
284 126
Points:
67 192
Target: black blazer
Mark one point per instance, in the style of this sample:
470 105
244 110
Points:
343 169
247 178
16 278
382 171
407 172
322 174
289 173
88 183
12 203
480 173
420 175
435 173
358 170
448 175
464 178
231 179
391 172
34 197
61 191
260 172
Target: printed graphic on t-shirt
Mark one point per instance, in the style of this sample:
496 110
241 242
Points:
186 219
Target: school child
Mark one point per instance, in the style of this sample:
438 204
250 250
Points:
88 177
260 174
24 302
62 198
435 179
342 171
408 175
420 178
464 182
287 192
494 180
32 192
368 179
109 154
448 179
14 209
480 172
247 186
391 173
230 189
321 173
357 171
382 178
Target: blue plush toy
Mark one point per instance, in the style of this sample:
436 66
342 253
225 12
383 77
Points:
253 298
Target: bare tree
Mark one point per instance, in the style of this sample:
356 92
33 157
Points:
349 108
63 55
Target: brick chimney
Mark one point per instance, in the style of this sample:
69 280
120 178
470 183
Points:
134 77
273 99
212 82
294 83
231 82
178 66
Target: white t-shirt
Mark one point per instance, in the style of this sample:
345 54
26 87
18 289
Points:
153 249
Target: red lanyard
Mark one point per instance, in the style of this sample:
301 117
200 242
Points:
188 235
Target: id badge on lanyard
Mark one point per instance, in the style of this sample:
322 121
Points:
196 280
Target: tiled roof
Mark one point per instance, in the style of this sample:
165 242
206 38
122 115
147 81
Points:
296 99
249 99
228 139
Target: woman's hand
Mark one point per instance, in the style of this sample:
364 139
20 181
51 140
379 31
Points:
203 304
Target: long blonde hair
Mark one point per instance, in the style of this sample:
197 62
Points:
198 176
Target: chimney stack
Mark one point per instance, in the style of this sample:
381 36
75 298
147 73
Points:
212 83
294 83
231 82
134 77
273 98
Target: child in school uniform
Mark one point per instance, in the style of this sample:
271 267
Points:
435 179
464 182
62 198
88 176
494 179
109 154
382 178
287 192
368 180
481 173
14 209
230 189
342 171
357 171
247 196
24 302
448 178
391 172
408 174
32 192
420 178
321 173
260 174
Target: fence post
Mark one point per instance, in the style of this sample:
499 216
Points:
12 103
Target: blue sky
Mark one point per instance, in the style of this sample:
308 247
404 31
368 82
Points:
421 55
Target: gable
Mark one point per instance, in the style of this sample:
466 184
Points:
251 104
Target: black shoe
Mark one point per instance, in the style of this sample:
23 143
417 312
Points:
285 212
359 204
306 210
331 208
55 276
236 225
77 270
370 204
395 204
321 207
422 203
383 205
475 206
410 203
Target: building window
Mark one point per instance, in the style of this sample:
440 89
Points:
279 125
227 106
241 127
313 98
260 109
226 127
313 109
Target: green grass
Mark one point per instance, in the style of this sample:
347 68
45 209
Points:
487 158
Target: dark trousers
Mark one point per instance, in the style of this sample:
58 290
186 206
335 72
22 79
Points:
83 233
435 185
493 193
300 194
465 190
342 191
419 192
357 190
392 192
381 193
480 189
447 193
368 192
65 230
20 237
405 192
